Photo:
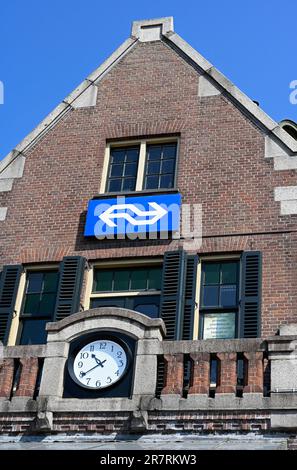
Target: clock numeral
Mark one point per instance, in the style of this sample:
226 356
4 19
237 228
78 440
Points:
108 380
121 363
98 383
88 379
92 348
84 355
117 373
112 348
102 345
119 353
80 364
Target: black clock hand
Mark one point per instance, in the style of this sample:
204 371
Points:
82 374
100 363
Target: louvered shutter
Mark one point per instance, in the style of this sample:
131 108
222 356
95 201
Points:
70 284
190 293
250 303
171 308
9 284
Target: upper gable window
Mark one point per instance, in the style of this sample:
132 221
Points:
123 169
143 165
160 166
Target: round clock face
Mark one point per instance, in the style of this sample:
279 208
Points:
100 364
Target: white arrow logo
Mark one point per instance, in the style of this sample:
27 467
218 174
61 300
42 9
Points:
157 213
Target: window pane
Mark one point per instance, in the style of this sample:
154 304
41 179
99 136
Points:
50 282
210 296
33 332
103 281
151 310
211 273
169 151
116 170
117 156
168 166
34 282
153 168
152 182
166 181
154 152
228 296
129 184
32 303
114 185
139 279
229 273
47 304
155 278
132 155
121 280
108 302
130 169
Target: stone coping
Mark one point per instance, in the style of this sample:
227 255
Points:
111 312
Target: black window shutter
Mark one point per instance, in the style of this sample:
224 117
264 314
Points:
190 293
250 303
172 297
70 284
9 284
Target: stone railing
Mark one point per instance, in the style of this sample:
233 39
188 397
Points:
239 384
184 368
21 370
214 367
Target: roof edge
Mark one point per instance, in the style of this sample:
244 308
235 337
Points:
67 104
224 83
275 131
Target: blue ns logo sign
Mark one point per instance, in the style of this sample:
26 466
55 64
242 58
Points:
109 218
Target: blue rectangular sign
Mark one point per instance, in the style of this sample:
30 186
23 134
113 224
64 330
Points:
107 218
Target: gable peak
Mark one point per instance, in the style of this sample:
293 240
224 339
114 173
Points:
152 30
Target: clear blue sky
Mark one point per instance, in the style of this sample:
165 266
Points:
48 47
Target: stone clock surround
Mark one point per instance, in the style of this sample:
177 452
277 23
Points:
146 331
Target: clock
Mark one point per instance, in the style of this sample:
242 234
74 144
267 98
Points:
100 363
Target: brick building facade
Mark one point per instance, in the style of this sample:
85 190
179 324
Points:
156 118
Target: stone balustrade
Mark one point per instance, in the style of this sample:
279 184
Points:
238 367
20 371
203 385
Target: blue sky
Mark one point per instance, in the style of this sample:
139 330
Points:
48 47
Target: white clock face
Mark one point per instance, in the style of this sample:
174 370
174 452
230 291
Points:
100 364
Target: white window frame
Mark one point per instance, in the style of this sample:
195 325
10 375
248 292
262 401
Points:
203 259
142 143
15 323
130 264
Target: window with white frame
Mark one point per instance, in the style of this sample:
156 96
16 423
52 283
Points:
135 287
219 299
38 305
140 165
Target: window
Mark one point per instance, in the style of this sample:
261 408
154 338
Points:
138 279
160 166
133 288
123 169
149 165
38 306
219 299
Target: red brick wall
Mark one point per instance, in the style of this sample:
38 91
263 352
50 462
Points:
221 164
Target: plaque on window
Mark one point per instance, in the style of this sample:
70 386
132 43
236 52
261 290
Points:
219 326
